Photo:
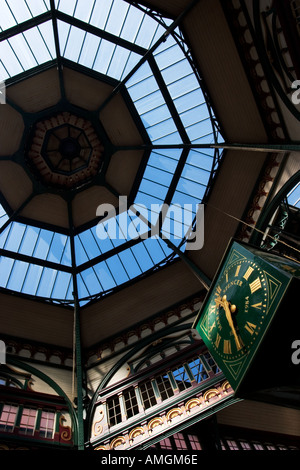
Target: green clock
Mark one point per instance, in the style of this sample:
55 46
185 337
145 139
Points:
239 313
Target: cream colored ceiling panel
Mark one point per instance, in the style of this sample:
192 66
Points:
85 204
49 209
36 321
83 91
37 93
137 303
15 185
122 170
221 68
11 130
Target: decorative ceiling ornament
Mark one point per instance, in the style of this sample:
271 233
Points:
65 151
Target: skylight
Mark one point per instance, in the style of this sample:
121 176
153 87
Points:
127 44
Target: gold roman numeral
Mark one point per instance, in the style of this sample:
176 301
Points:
237 270
250 327
212 327
227 346
255 285
258 306
218 339
248 273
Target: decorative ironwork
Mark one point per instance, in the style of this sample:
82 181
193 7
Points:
65 151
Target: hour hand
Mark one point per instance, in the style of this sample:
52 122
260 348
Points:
229 309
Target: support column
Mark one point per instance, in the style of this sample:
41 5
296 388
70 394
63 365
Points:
77 336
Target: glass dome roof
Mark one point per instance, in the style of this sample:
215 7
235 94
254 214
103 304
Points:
146 55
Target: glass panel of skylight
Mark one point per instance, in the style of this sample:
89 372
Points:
116 17
4 75
133 268
12 237
148 98
201 158
37 7
61 285
103 241
89 244
7 19
15 11
166 160
9 59
105 275
158 191
154 247
142 254
32 279
82 288
294 196
24 51
118 270
3 216
32 241
91 51
6 265
177 222
27 242
57 248
17 275
46 283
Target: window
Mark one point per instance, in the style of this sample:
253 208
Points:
211 363
232 445
180 441
28 420
47 424
198 369
245 445
194 442
6 381
114 410
165 444
182 379
148 395
258 446
8 418
164 387
131 404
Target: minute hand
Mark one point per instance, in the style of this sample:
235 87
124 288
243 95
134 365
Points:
225 304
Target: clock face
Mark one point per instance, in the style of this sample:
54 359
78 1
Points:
237 309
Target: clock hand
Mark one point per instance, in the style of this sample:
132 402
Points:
228 310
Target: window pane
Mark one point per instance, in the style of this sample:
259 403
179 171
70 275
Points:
28 419
198 369
114 410
8 418
165 387
47 424
182 379
194 442
148 395
180 441
131 404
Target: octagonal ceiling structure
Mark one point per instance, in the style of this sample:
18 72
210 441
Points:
104 104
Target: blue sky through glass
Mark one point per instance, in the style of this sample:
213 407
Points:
168 98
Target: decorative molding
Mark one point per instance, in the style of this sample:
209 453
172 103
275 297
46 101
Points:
65 432
199 404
